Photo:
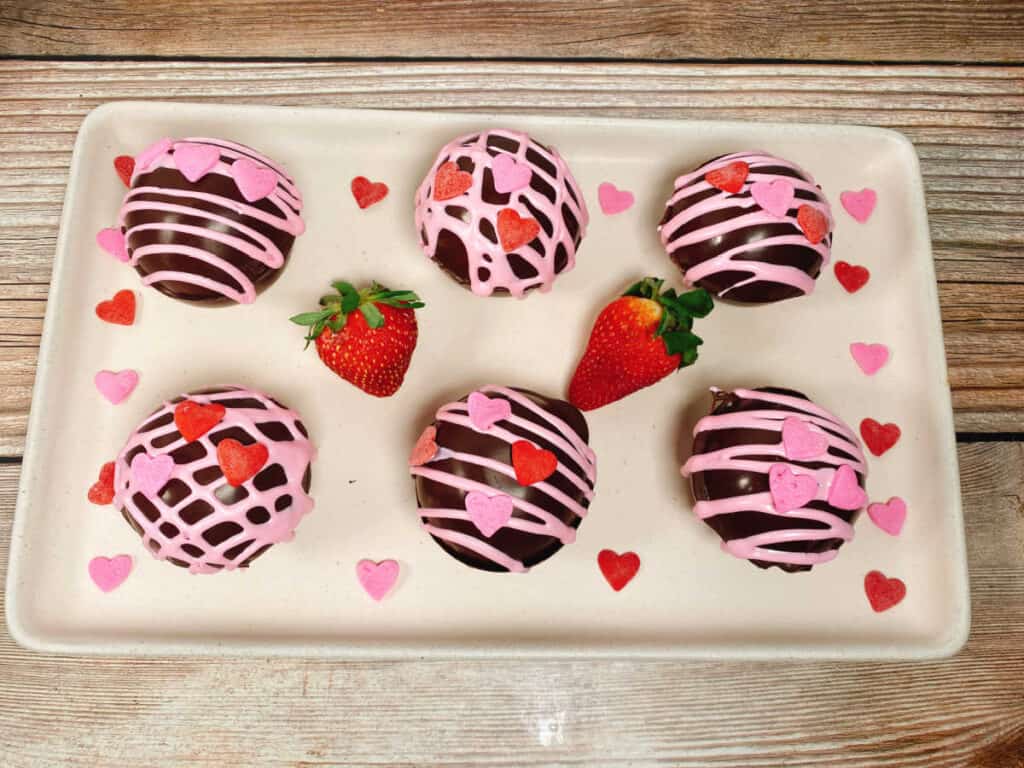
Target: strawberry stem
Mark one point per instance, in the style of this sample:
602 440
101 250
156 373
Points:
678 313
336 307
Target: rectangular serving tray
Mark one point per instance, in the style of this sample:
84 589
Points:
689 599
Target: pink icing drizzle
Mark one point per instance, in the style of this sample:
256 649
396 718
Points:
292 455
285 198
753 215
543 523
431 217
839 436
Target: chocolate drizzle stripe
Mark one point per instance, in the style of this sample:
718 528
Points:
516 523
577 440
479 546
271 255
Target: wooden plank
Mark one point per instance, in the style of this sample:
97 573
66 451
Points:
968 711
966 123
869 30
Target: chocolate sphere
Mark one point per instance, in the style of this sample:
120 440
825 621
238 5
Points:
209 221
206 506
759 453
501 213
749 227
503 477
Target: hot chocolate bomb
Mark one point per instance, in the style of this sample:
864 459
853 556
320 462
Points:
748 227
504 477
501 213
183 494
779 478
209 221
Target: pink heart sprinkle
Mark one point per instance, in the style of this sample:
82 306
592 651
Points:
488 513
790 491
116 386
377 578
146 157
425 448
195 160
870 357
861 204
800 442
774 196
509 175
844 493
108 573
889 516
485 412
254 181
111 240
614 200
151 473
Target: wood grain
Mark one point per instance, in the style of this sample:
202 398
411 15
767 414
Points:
967 124
869 30
968 711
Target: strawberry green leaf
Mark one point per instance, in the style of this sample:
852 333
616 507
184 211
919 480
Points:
374 318
697 303
307 318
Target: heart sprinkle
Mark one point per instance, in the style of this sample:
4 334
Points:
889 516
618 570
124 165
240 462
851 277
789 490
254 181
425 448
870 357
108 573
102 491
120 310
377 578
485 412
812 222
195 160
845 493
509 175
729 178
879 437
194 419
774 196
860 204
514 230
532 464
883 593
800 442
488 513
450 182
368 192
612 199
111 240
151 473
116 386
148 156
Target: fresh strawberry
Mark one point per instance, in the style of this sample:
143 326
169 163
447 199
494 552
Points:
367 337
637 340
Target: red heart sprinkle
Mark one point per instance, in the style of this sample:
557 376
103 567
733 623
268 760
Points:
514 230
194 419
368 192
729 178
812 222
240 462
125 166
119 310
883 593
618 569
450 182
532 464
879 437
851 277
102 491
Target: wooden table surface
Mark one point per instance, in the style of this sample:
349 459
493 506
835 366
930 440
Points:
947 74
